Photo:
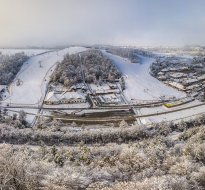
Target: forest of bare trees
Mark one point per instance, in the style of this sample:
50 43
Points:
10 66
92 64
130 53
161 157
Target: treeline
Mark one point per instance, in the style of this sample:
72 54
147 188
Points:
130 53
10 66
55 134
198 65
133 54
91 65
16 131
16 120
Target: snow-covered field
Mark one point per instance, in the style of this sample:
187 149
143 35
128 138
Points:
28 52
34 76
140 85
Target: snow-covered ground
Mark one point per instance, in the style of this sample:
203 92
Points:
76 105
175 116
140 85
159 109
28 52
34 76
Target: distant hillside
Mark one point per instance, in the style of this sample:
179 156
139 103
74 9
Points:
129 53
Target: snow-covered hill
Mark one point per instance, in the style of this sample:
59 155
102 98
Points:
28 52
34 76
140 85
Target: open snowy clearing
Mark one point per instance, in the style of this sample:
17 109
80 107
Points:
140 85
28 52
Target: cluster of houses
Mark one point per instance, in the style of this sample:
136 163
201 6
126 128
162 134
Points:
54 98
62 95
108 99
104 88
106 94
184 77
99 94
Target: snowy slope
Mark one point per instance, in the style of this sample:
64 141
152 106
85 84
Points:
35 78
140 85
28 52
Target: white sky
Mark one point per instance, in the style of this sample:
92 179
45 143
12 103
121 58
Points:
124 22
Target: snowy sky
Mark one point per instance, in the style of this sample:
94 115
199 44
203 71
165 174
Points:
119 22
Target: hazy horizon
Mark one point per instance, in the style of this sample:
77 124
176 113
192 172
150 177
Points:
52 23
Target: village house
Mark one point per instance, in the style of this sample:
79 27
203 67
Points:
79 86
103 89
113 86
177 75
190 82
53 98
162 77
177 85
183 68
109 99
201 78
